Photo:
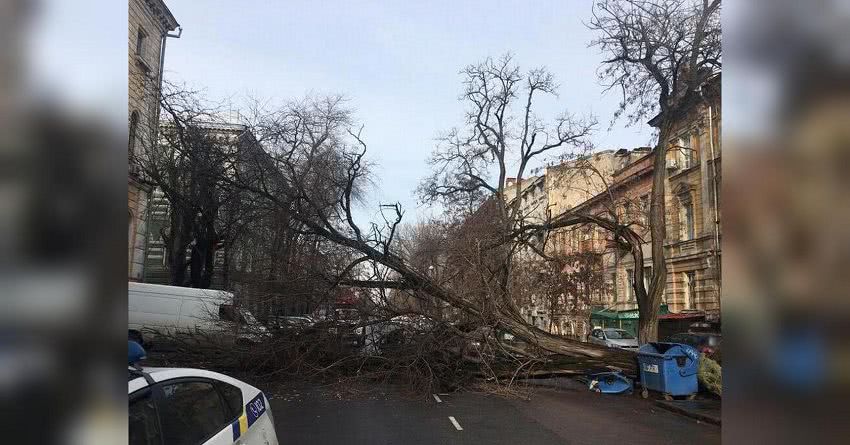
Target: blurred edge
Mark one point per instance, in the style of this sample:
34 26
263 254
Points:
787 239
62 249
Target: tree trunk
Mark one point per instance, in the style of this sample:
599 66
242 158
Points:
648 322
176 248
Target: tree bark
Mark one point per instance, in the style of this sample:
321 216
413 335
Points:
648 309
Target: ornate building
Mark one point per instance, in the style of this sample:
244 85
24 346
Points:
150 23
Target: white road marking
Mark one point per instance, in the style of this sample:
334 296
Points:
454 422
437 398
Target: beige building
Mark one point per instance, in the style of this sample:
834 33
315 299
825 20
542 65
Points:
692 241
560 189
585 182
150 23
692 247
611 182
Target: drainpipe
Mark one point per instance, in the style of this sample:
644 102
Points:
162 65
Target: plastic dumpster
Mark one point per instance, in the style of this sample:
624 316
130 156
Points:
669 368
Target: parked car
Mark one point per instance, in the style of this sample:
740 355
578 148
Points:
296 322
155 310
705 342
613 338
194 406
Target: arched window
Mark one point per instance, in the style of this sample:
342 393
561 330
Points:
134 128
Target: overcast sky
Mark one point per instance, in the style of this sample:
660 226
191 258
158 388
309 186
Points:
396 61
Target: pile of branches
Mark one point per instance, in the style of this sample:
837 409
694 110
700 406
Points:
421 353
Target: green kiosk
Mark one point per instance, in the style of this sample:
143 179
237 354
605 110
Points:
627 320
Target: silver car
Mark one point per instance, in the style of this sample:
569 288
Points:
613 338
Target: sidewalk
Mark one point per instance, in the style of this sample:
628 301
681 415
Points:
704 410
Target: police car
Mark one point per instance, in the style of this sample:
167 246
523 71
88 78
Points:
177 406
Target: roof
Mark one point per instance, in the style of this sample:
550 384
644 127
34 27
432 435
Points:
166 18
162 374
681 316
631 314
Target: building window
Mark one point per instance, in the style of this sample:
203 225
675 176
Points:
689 220
134 128
141 41
644 209
614 287
647 277
686 217
689 287
630 281
687 152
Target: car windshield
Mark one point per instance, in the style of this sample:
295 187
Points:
616 334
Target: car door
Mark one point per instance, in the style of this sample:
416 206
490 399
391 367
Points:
244 415
193 412
143 421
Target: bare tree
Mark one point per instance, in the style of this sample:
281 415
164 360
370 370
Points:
188 163
501 137
658 54
316 166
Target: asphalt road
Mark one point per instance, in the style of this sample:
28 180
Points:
308 415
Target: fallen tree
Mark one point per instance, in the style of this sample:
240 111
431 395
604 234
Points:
312 163
317 161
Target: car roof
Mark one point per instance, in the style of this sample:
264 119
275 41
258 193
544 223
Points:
162 289
162 374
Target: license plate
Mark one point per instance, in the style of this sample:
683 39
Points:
651 368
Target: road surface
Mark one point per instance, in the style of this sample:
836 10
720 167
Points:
309 415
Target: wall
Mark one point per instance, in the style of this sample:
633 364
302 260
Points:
143 101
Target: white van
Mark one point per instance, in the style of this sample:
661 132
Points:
155 310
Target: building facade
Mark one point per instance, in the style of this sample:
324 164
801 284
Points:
150 23
692 247
620 187
692 223
233 144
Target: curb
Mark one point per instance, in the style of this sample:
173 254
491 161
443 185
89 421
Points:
685 412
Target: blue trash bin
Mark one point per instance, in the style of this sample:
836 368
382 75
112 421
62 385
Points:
669 368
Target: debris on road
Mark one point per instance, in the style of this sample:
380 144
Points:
610 383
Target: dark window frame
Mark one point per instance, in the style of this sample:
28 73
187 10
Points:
147 391
219 385
133 132
159 396
141 38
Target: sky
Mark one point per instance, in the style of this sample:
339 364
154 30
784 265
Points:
397 62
